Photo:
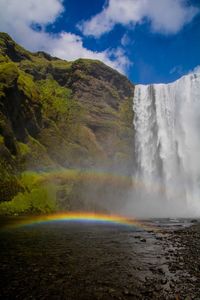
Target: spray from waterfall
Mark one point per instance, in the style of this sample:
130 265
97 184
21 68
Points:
167 148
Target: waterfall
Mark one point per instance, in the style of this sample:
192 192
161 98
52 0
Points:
167 147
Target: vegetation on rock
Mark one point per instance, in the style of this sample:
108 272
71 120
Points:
56 114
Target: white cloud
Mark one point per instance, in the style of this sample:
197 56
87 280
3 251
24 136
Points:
196 69
119 56
125 40
176 69
165 16
18 17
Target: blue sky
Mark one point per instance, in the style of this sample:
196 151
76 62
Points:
148 40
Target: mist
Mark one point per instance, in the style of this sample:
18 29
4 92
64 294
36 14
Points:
161 179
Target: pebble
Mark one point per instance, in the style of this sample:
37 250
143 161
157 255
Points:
143 240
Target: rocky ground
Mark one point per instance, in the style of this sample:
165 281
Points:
88 261
184 261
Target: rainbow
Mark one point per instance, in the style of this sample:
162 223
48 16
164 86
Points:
108 178
84 217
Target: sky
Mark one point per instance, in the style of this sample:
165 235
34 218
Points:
150 41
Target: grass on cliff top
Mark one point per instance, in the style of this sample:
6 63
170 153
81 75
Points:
6 41
10 75
86 62
61 64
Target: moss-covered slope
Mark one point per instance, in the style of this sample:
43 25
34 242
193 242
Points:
55 113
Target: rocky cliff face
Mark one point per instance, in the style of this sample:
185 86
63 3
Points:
55 113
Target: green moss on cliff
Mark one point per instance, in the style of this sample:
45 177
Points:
38 157
38 201
8 75
59 105
10 184
11 49
24 149
55 114
126 112
61 64
54 98
27 86
1 140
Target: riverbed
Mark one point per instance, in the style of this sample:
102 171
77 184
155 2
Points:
75 260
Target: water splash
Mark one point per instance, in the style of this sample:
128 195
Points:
167 145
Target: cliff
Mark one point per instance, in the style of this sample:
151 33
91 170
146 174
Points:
59 114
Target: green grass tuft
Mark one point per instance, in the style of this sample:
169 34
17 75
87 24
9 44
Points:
8 75
24 149
27 86
40 200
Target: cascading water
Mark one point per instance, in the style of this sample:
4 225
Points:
167 147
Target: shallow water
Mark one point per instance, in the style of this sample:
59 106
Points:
81 261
